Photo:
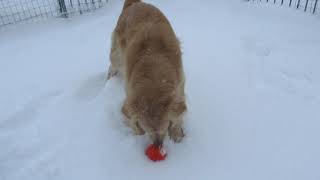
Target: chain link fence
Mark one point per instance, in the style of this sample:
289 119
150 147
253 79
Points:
305 5
16 11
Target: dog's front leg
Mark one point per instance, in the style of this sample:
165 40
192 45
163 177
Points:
175 130
132 122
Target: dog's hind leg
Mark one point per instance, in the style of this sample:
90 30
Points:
116 58
129 121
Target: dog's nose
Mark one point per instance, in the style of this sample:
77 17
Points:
158 140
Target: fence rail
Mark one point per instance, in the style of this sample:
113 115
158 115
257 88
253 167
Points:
16 11
305 5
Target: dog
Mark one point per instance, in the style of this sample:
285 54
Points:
146 53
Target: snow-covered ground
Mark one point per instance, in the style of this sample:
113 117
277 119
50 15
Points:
253 87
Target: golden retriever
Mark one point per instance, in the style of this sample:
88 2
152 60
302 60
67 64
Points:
146 53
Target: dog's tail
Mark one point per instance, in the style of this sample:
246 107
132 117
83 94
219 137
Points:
128 3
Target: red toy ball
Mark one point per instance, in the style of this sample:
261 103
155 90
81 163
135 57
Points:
155 153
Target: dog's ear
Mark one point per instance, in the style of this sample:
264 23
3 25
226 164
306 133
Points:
178 107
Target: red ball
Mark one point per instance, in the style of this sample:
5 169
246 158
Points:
155 153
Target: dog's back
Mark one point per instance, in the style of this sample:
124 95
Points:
150 45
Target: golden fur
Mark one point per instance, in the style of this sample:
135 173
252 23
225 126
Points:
146 53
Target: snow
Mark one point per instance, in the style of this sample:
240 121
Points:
253 90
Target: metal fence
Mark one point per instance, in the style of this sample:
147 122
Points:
305 5
15 11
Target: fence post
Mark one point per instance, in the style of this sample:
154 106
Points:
306 6
93 4
281 2
298 4
79 6
290 3
63 8
315 6
87 5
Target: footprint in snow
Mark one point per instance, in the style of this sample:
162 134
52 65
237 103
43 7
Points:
29 111
257 47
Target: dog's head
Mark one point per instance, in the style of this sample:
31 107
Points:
155 116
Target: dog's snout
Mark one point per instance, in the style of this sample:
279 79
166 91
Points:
158 142
157 139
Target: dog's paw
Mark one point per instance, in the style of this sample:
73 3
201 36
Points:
111 73
138 130
176 134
